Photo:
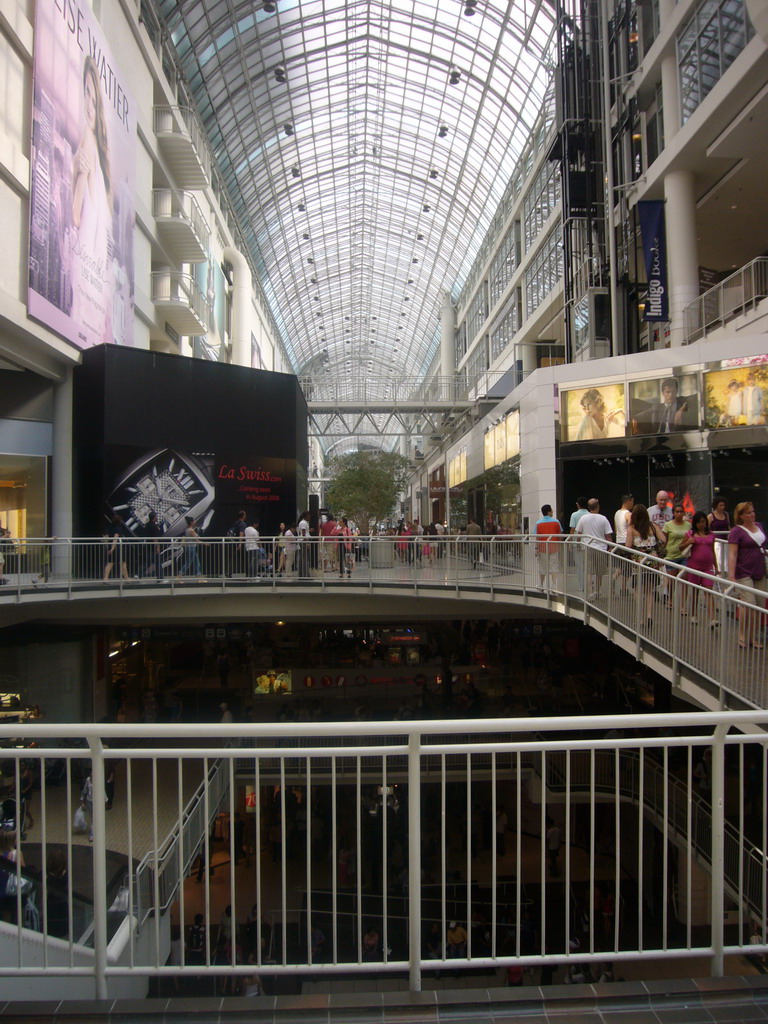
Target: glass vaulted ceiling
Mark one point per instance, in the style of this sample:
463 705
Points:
367 172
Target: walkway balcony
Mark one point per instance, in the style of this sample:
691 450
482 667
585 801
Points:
181 225
182 143
710 643
737 295
181 301
354 846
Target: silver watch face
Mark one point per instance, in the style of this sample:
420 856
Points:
172 484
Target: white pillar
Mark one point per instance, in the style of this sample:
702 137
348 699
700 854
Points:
61 462
447 342
758 13
682 249
670 91
241 307
670 83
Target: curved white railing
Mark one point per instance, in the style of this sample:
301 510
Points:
696 623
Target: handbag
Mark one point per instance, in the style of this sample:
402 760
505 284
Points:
15 884
80 821
121 901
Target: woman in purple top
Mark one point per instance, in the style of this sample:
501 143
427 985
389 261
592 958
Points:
746 564
718 519
700 542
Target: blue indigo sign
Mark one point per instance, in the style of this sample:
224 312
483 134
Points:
655 253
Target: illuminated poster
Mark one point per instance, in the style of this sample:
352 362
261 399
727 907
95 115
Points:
664 405
82 211
489 448
737 397
513 434
211 488
500 436
593 412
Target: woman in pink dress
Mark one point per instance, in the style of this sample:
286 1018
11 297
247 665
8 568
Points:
701 542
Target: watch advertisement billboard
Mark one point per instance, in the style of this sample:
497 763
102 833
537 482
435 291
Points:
82 212
185 438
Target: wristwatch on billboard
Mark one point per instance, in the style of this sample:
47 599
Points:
170 483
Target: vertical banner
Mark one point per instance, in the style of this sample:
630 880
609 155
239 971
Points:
653 231
82 211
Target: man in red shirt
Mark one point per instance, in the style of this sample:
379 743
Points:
548 552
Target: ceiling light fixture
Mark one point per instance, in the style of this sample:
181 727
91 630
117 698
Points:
454 76
442 131
280 73
434 175
288 129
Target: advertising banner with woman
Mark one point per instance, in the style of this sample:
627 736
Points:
593 412
82 211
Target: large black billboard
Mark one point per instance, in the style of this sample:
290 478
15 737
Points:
177 436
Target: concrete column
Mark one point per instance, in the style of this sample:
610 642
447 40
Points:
670 86
61 463
241 307
758 13
670 91
682 249
447 340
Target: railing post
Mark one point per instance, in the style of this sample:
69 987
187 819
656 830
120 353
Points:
99 855
414 861
718 849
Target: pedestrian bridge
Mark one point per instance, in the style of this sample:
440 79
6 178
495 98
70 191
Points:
715 656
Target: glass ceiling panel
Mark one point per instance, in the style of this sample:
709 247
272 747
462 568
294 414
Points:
367 178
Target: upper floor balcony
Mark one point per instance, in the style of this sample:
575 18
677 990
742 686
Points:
182 143
181 225
738 295
181 301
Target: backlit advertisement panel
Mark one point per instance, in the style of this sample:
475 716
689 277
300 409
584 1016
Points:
737 397
664 405
82 212
513 434
593 412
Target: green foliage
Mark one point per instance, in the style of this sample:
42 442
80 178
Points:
365 486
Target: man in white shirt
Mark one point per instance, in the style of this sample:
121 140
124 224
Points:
578 554
595 526
621 522
302 530
252 549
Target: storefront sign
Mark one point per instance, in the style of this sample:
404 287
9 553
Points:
653 231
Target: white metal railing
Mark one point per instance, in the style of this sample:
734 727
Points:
359 868
736 294
643 606
161 870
